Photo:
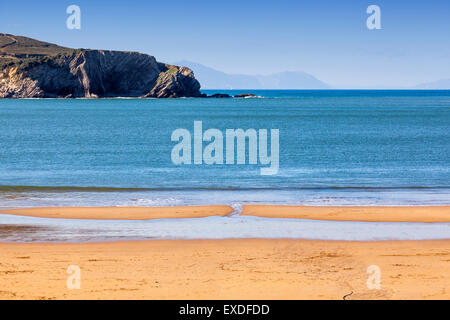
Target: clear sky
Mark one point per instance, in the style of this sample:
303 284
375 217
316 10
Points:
327 38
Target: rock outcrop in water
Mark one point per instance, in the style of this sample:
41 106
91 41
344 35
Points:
34 69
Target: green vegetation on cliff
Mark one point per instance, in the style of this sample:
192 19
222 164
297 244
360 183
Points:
18 46
26 53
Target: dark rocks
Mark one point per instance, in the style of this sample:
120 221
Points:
220 95
245 95
224 95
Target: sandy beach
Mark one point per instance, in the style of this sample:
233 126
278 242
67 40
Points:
230 269
123 213
369 214
227 269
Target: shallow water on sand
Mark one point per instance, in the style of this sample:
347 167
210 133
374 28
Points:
30 229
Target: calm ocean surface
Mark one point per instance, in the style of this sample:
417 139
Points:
336 148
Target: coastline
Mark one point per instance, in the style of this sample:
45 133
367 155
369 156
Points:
227 269
428 214
244 268
122 213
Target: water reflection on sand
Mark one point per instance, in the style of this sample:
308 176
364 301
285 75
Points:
30 229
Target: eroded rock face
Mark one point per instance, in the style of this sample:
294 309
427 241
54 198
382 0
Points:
97 73
176 82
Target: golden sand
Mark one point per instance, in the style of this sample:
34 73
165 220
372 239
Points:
231 269
371 214
123 213
227 269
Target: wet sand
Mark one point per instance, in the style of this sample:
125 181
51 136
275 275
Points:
369 214
227 269
122 213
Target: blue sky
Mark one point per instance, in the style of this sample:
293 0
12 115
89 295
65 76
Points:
326 38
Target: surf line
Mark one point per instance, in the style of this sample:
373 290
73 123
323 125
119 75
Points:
235 139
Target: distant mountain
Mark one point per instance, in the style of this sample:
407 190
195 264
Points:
213 79
440 84
291 80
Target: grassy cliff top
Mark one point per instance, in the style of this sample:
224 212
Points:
18 46
25 52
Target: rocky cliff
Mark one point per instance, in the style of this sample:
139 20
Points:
33 69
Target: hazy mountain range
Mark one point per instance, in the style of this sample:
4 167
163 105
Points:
214 79
439 84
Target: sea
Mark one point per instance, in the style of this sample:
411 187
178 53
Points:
336 147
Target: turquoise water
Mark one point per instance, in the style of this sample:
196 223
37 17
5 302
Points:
336 148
